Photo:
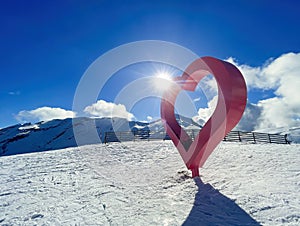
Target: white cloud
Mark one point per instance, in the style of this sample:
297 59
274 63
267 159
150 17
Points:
208 86
273 74
283 76
197 99
278 112
107 109
253 75
205 113
149 118
250 117
14 93
280 75
44 114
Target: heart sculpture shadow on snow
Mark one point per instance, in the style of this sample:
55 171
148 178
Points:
232 98
213 208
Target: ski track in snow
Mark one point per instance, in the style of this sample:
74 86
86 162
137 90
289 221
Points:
136 183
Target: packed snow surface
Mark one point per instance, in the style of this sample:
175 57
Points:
146 183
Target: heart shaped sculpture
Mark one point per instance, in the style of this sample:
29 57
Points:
232 98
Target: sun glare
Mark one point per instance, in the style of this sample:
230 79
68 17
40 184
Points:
162 80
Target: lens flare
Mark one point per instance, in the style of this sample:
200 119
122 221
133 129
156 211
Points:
162 80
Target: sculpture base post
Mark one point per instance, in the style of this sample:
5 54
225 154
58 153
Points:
195 172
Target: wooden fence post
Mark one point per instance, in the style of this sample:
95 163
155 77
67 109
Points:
286 140
254 140
239 136
105 134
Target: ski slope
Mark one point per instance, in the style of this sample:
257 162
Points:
146 183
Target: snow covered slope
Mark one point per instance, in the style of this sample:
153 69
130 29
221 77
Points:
57 134
146 183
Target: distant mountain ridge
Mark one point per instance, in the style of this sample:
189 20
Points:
59 133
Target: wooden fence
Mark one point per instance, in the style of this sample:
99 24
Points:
233 136
254 137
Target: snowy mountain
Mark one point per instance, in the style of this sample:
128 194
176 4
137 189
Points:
146 183
57 134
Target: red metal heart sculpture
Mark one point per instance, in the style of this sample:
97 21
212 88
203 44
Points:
232 98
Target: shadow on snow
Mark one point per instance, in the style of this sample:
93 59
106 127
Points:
213 208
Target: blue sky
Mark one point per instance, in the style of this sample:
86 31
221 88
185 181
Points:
46 46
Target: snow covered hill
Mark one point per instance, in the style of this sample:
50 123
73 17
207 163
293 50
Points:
146 183
57 134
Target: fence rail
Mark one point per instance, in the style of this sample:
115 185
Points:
233 136
256 137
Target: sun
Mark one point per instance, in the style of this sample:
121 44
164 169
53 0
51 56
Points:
162 80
